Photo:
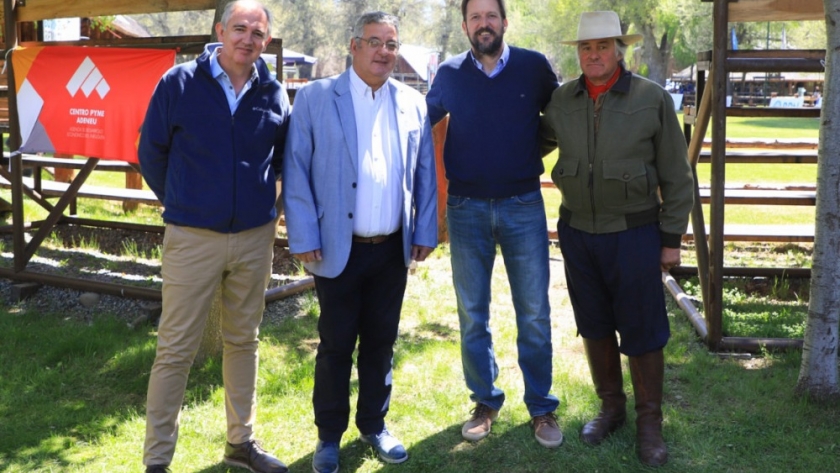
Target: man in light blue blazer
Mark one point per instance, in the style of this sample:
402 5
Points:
360 194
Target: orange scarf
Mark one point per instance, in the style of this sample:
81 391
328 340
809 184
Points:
596 90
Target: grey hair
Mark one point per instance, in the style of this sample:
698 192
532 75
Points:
620 48
378 17
226 14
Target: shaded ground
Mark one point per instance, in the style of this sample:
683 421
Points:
114 256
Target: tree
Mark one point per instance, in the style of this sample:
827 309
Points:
818 373
301 26
449 27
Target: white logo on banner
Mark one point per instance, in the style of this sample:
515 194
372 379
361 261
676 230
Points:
87 78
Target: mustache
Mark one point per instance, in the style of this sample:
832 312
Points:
484 30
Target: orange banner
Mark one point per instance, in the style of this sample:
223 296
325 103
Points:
85 101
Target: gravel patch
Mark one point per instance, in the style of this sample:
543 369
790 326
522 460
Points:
120 257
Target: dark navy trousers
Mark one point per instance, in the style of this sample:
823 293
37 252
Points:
362 304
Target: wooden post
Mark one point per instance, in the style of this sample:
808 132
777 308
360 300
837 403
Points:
439 138
133 180
19 243
64 175
698 225
714 317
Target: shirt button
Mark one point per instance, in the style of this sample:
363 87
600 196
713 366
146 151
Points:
350 215
626 176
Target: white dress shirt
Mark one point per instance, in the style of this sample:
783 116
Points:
379 188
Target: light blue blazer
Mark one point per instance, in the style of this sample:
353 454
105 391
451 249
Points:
320 167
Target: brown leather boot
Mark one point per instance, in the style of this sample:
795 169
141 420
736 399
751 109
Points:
605 366
647 372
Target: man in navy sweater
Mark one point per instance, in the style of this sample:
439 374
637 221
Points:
494 94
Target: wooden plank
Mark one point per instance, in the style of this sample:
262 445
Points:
776 10
763 197
765 156
57 189
775 64
772 112
35 10
704 58
33 160
188 44
771 143
765 233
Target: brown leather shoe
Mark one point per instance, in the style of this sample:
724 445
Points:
605 367
546 430
158 469
648 372
479 424
252 456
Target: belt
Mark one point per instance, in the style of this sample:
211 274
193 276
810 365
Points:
372 240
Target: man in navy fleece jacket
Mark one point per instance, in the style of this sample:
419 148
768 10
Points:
211 148
494 94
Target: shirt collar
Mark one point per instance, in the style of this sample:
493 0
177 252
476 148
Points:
216 68
503 59
361 86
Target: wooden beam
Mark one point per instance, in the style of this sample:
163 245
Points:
192 44
801 112
776 10
45 9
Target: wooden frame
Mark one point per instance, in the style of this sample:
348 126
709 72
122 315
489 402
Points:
719 63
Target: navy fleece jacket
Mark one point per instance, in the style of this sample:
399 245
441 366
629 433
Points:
210 169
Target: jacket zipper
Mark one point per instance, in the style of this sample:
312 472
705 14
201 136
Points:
596 117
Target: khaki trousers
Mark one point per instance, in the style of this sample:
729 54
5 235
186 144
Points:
195 262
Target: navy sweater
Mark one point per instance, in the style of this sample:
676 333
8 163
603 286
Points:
492 145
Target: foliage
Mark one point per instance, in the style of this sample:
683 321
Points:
102 23
675 30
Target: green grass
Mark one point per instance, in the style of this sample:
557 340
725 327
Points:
72 398
761 307
769 128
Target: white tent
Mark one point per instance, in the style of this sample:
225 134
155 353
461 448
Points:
290 58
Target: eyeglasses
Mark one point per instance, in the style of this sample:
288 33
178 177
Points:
376 43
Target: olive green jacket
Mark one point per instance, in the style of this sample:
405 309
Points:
633 170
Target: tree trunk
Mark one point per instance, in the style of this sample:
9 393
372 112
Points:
211 341
217 17
656 56
818 373
449 20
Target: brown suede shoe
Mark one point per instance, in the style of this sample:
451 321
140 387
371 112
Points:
252 456
546 430
479 424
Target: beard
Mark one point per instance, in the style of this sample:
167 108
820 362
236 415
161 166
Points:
489 48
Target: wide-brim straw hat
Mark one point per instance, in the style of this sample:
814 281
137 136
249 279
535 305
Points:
601 25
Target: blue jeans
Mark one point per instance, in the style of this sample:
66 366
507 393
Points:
518 226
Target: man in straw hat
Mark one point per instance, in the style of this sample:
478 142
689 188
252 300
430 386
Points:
627 193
